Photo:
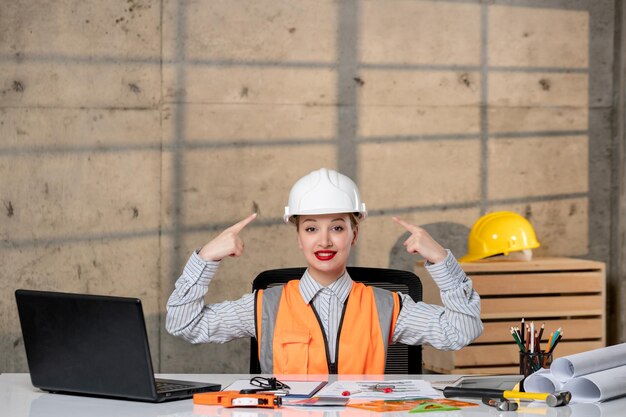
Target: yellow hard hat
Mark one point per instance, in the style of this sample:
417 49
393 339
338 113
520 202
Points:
497 233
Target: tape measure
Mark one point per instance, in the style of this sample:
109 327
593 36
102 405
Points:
236 399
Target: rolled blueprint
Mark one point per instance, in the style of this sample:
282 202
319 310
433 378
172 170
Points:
572 366
598 386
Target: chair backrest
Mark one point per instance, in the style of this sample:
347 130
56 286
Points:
401 359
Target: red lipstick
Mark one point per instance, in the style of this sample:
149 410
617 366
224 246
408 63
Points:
325 255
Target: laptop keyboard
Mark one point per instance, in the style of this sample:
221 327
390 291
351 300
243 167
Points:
163 386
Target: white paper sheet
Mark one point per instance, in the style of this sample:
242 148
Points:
405 388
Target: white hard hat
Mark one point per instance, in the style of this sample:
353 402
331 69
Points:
324 192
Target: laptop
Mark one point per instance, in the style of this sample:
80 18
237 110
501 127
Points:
93 345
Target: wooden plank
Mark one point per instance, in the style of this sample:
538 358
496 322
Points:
559 306
592 328
438 359
509 354
487 370
537 265
543 283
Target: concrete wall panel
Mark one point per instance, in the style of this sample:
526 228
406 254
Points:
58 130
112 29
243 85
526 36
378 121
538 166
423 88
419 173
81 194
258 123
416 32
59 84
538 119
249 30
538 89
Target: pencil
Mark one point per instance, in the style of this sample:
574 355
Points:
522 332
549 341
558 339
556 336
515 337
541 332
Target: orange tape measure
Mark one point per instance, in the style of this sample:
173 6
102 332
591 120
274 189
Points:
235 399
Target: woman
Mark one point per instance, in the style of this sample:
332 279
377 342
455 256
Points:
325 322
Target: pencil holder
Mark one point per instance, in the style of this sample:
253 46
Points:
530 363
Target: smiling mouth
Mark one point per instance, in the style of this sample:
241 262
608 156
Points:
324 255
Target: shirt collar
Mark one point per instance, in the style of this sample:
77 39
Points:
309 287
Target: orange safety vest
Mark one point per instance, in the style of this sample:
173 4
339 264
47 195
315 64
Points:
291 338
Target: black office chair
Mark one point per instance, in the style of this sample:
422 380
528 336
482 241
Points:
401 359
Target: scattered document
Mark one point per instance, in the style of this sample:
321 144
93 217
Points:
593 376
297 389
427 404
387 390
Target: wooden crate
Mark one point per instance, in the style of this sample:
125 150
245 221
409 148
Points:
562 292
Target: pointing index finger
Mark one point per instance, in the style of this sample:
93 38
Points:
407 226
238 227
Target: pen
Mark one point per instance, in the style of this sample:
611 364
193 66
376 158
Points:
522 332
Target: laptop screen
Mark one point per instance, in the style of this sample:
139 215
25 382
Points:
86 343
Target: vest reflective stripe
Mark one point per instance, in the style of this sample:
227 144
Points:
291 333
267 306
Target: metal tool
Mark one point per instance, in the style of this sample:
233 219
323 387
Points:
555 399
502 405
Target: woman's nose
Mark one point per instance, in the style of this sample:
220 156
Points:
325 240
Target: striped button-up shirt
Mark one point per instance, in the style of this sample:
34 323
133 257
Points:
448 327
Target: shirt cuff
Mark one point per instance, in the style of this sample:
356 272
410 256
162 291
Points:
199 270
447 274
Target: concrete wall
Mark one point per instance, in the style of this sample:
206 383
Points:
132 131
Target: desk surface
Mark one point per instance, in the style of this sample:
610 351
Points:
18 398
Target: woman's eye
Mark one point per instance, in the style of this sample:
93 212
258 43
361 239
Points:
309 229
338 228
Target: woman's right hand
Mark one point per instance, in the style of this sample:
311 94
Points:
227 243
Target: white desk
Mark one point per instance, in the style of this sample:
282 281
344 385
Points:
18 398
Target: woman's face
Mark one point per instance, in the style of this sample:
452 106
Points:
326 240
